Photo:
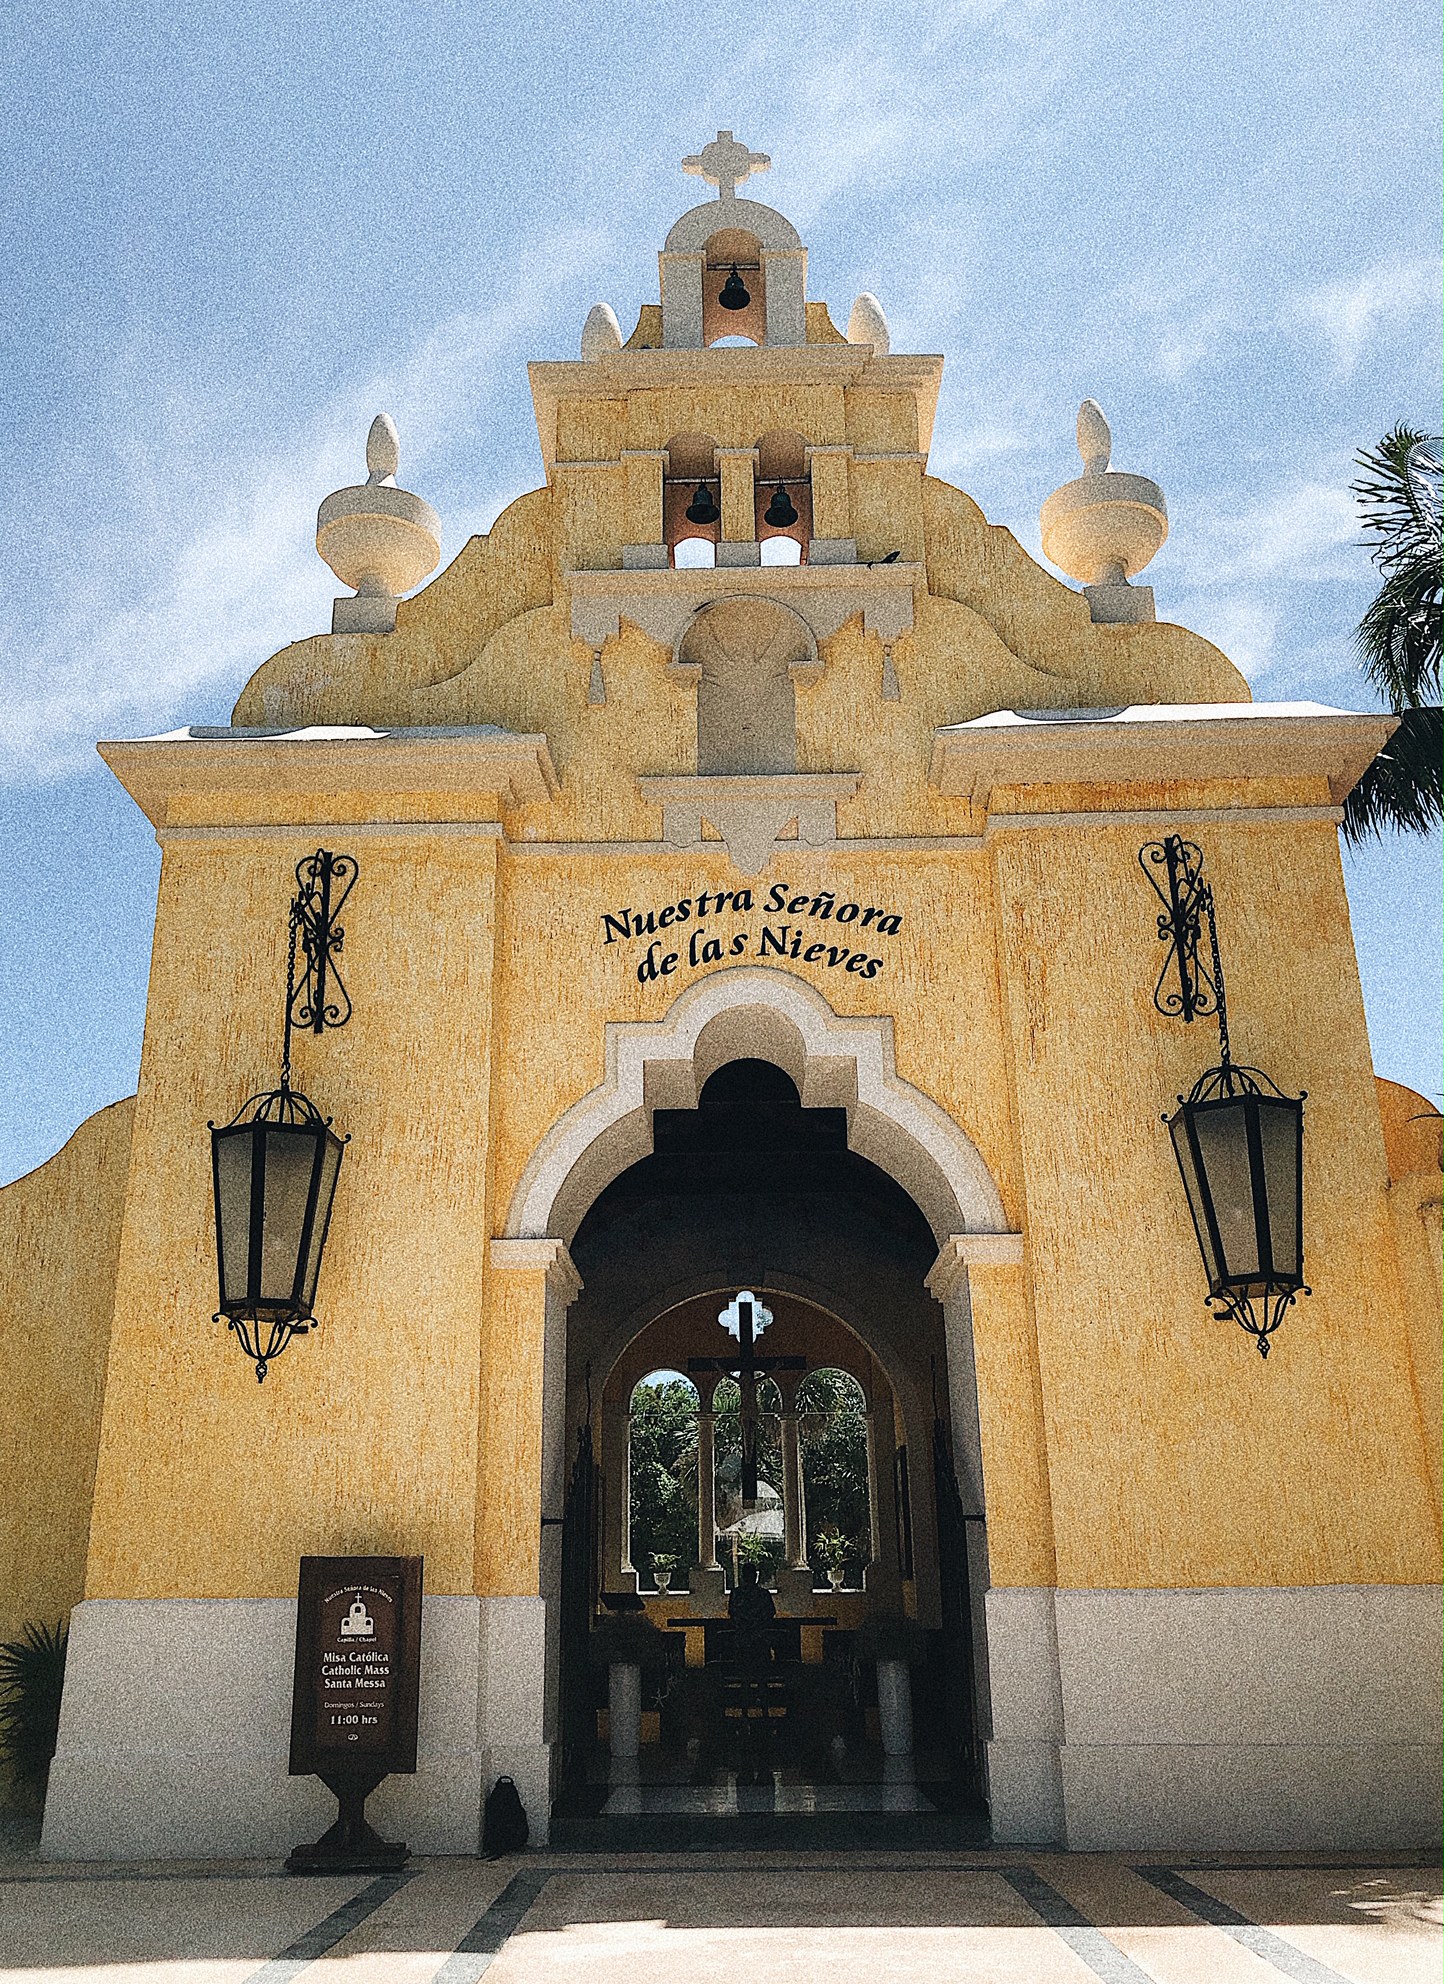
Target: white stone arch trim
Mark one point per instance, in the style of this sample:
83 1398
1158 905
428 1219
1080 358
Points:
695 228
805 668
837 1062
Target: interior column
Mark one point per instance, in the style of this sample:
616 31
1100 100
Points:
707 1490
793 1518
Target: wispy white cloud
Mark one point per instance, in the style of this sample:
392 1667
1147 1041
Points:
1301 532
1351 313
1249 578
239 577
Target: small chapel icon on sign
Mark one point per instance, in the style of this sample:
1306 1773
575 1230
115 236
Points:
358 1623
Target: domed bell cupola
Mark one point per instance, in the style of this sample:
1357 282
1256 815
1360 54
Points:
732 268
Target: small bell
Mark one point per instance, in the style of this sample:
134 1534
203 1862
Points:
780 512
735 294
701 509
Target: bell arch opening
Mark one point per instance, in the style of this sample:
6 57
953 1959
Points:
691 516
734 287
782 497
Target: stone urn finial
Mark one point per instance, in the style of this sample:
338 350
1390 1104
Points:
867 324
1103 528
377 538
1095 438
383 452
601 333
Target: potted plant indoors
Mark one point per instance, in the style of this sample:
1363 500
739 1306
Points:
662 1569
832 1550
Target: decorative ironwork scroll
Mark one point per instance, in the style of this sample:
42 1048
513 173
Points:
323 882
1187 899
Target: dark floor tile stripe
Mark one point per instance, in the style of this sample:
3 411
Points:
473 1955
330 1930
1087 1942
1271 1949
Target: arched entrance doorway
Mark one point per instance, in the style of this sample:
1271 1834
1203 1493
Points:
759 1385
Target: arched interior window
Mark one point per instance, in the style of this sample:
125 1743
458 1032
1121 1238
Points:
663 1478
783 495
690 483
724 315
755 1534
832 1424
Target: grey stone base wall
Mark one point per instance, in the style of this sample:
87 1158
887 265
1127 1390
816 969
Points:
1290 1718
175 1729
1304 1718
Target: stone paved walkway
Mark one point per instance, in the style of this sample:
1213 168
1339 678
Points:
864 1918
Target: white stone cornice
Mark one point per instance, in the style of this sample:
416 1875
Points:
547 1256
1161 816
274 766
618 373
1157 743
960 1251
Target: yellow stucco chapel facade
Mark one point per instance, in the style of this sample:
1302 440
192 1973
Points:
625 815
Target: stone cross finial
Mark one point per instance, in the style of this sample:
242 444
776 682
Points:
725 164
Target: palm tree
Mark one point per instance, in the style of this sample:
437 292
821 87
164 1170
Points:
1398 638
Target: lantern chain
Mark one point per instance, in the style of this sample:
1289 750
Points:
1220 991
290 999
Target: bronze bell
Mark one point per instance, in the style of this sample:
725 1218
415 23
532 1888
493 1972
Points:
780 512
735 293
701 509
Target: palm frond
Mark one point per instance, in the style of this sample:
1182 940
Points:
1402 788
32 1675
1387 494
1399 635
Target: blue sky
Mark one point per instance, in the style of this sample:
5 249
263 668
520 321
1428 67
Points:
233 233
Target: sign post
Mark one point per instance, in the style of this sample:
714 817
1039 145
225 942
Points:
355 1697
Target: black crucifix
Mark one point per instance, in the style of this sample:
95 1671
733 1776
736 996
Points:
747 1367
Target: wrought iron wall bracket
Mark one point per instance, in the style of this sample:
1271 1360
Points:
323 882
1174 868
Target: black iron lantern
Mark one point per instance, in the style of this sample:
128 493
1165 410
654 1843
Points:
702 509
1240 1147
275 1170
274 1166
1238 1139
780 513
734 294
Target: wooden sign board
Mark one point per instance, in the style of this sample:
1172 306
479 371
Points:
358 1666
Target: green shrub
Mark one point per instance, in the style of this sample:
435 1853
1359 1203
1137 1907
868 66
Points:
32 1673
